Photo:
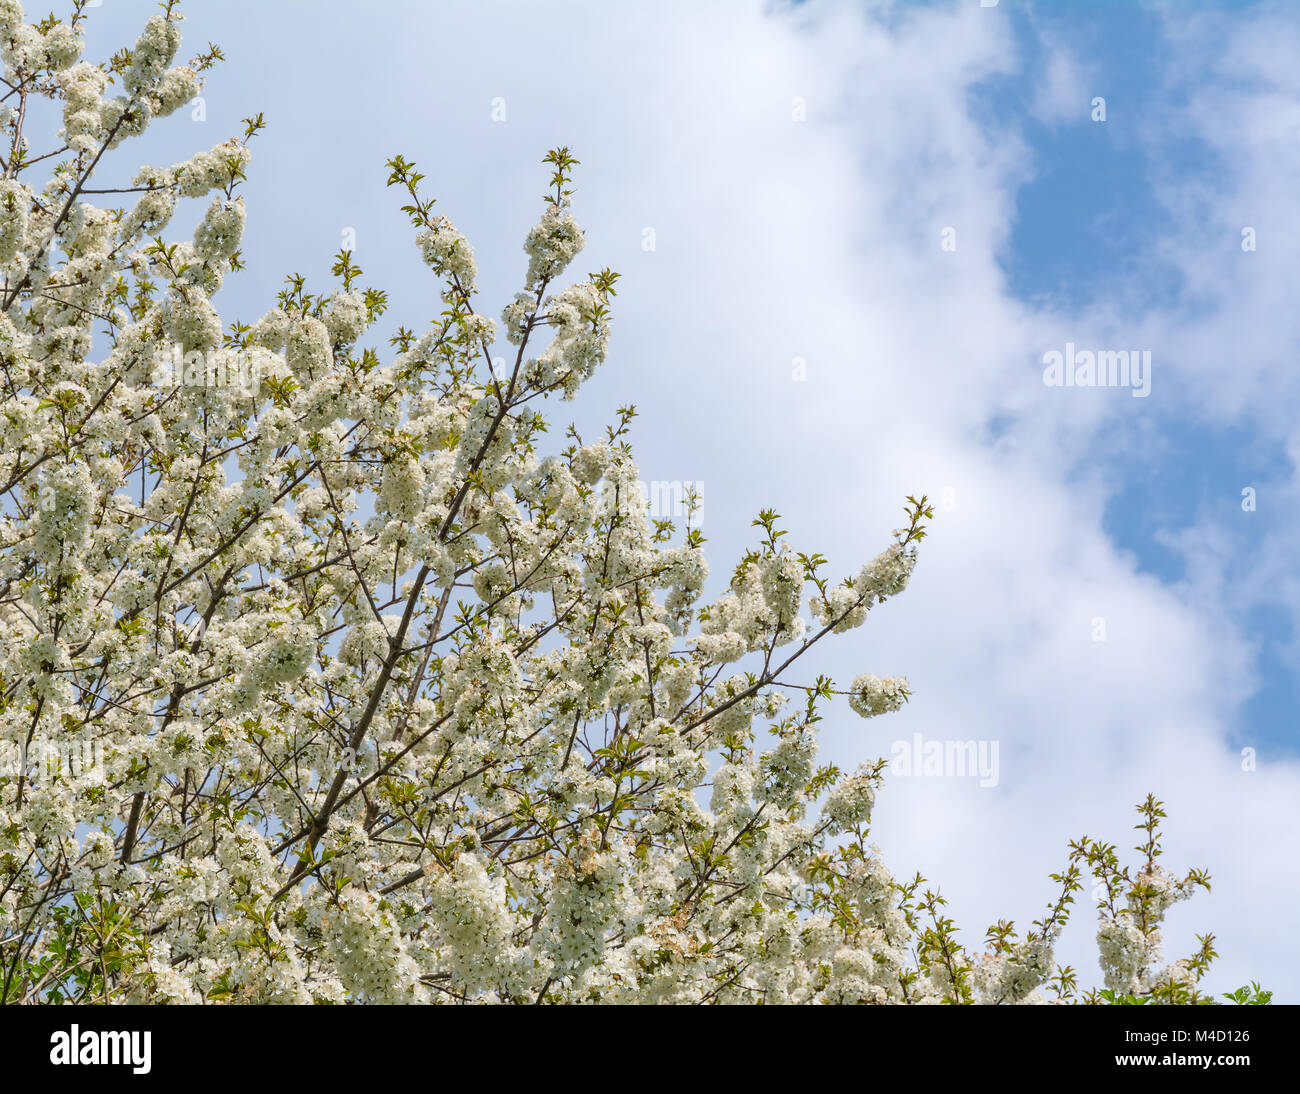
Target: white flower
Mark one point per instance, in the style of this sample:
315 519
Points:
308 347
850 802
551 246
218 236
15 202
870 695
515 315
345 318
62 47
175 89
782 578
403 487
448 253
192 322
153 52
887 574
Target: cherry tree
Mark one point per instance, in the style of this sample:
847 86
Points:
326 675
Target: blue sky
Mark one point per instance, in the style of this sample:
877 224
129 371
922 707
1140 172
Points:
1093 208
798 165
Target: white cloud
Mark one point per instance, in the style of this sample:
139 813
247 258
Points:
1065 87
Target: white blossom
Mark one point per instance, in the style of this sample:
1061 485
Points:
870 695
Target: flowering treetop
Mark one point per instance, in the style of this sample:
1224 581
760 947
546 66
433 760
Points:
387 698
